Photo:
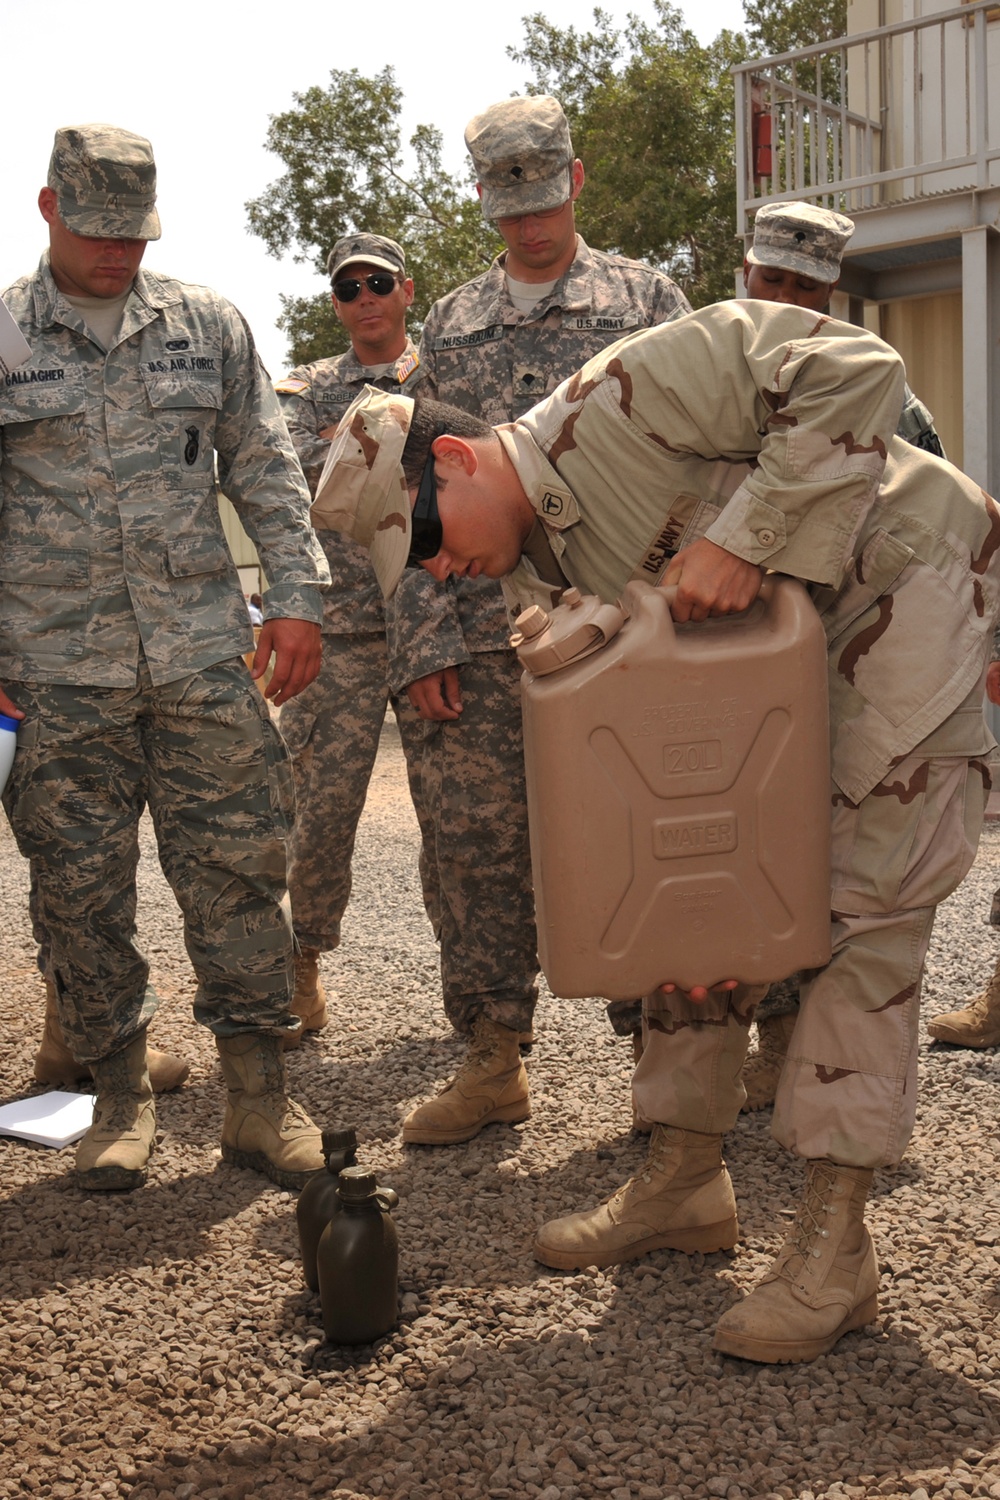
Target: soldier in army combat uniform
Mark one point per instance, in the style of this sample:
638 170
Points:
494 347
744 437
122 628
795 259
332 728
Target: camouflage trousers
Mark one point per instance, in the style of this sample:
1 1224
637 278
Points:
849 1085
204 754
473 770
332 731
782 999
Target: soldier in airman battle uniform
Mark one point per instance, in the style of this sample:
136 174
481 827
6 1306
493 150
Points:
123 628
494 347
741 438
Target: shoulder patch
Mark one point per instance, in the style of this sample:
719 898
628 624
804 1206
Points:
406 367
289 387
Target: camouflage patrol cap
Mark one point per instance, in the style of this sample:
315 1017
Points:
372 249
104 179
523 156
362 491
800 237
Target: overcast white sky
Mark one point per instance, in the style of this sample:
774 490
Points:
201 81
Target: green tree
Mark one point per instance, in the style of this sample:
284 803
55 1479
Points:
651 112
344 172
775 28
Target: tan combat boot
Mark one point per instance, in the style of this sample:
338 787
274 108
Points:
978 1025
55 1063
823 1283
264 1129
309 997
681 1199
490 1086
762 1068
114 1152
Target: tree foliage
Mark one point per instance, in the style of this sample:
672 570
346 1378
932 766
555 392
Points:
772 29
651 113
344 172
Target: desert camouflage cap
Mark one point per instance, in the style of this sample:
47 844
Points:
372 249
523 156
362 491
104 179
800 237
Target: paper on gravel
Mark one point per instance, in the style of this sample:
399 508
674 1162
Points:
54 1119
14 348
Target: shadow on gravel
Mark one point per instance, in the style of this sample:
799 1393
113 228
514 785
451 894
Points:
840 1421
52 1232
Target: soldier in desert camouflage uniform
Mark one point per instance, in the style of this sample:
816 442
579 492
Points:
494 347
123 626
743 437
977 1024
795 259
332 728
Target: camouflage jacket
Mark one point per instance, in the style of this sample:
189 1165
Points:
111 543
313 399
770 430
478 352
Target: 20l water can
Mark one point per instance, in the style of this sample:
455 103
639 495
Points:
678 791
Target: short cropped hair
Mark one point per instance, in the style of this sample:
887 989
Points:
430 420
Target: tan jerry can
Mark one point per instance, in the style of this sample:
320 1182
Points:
678 791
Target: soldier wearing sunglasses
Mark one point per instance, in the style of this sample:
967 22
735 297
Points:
494 347
333 733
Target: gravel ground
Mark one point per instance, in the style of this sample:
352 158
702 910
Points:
161 1343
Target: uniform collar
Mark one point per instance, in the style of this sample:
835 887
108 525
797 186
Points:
149 294
573 292
351 368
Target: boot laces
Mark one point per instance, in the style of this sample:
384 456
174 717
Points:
118 1111
658 1161
809 1225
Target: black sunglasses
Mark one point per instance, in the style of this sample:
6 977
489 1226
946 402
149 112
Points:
427 532
379 283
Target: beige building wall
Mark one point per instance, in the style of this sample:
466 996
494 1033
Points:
927 331
243 550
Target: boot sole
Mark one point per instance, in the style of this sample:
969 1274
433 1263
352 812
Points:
773 1352
110 1179
701 1239
955 1039
256 1161
507 1114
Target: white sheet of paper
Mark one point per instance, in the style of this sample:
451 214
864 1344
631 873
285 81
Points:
54 1119
14 347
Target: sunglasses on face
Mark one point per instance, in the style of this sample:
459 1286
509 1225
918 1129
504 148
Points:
379 283
427 532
